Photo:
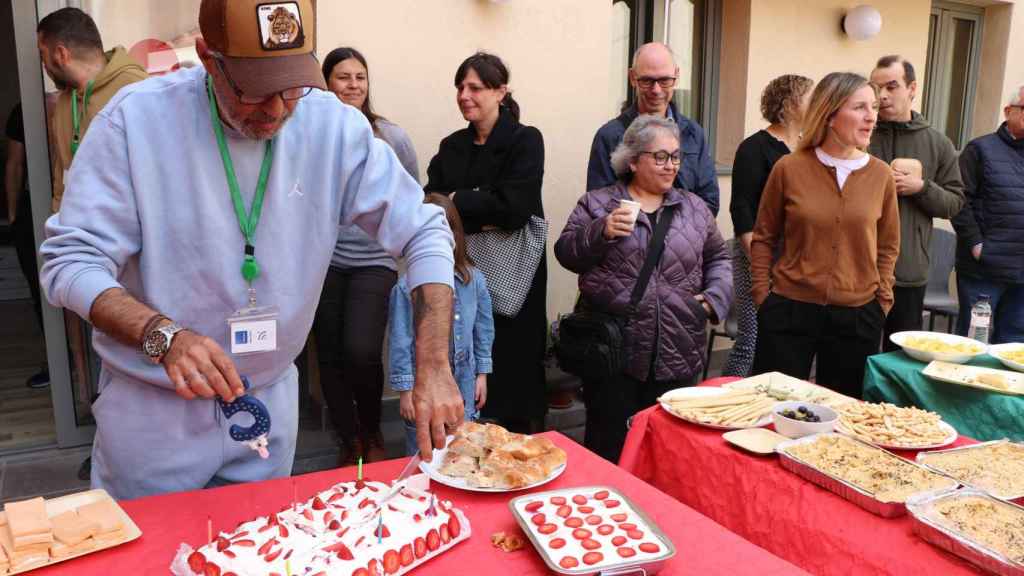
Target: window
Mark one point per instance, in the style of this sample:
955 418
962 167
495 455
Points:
954 50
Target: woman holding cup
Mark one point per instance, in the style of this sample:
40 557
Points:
606 242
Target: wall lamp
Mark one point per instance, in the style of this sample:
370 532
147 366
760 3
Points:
862 23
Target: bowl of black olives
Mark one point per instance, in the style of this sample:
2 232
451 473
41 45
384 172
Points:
799 419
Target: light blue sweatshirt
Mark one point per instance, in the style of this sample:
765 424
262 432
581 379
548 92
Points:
147 208
354 248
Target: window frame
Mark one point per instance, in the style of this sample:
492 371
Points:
935 102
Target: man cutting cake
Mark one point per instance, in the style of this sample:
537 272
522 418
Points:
197 226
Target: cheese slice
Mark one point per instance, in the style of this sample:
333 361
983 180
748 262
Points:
27 517
28 557
70 529
29 540
103 512
61 550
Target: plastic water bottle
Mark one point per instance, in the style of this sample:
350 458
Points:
981 319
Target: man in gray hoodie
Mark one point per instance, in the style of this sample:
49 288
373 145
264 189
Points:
927 181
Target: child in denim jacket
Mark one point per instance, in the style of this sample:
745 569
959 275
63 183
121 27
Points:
469 350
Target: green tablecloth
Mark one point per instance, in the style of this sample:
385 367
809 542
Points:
982 415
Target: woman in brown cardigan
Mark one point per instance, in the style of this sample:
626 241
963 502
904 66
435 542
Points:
829 212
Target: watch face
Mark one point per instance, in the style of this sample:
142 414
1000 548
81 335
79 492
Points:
155 344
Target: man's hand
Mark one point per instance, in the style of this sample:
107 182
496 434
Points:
405 407
976 251
619 223
435 396
907 184
745 241
197 366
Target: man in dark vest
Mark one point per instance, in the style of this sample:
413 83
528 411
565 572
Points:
990 241
653 77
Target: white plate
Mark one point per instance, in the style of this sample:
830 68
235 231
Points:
964 375
997 351
432 468
703 392
951 436
779 384
900 338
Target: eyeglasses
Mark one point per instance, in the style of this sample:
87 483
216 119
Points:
286 95
661 157
646 82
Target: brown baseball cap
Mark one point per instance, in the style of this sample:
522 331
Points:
267 47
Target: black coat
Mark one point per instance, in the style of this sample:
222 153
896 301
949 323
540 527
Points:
499 184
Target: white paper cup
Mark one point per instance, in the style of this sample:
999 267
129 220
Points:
634 208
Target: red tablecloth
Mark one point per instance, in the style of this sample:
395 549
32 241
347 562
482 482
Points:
702 547
756 498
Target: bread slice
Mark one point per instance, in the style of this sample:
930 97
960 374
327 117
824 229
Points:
70 529
458 465
103 512
27 518
464 447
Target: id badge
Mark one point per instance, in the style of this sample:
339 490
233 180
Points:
253 330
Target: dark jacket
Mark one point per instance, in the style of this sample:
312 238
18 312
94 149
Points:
941 197
496 184
993 172
696 174
499 184
755 158
695 261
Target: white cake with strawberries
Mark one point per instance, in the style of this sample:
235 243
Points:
351 529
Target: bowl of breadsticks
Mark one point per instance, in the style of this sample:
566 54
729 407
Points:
799 419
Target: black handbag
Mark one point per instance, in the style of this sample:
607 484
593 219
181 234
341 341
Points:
591 342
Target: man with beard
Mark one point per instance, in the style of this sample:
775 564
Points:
199 221
71 51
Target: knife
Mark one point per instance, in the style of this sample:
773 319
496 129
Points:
411 467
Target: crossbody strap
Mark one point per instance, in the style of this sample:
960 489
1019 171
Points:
654 250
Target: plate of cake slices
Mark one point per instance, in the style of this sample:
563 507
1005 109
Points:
489 458
350 528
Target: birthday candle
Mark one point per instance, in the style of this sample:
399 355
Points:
209 529
380 526
295 496
288 568
360 477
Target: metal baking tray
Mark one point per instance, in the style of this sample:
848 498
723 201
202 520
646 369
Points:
646 567
844 489
922 459
945 537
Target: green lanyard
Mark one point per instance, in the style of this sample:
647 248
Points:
247 222
76 118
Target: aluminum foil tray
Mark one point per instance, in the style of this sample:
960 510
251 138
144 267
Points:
841 487
650 564
922 459
921 507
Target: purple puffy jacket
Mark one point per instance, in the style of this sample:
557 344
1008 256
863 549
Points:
695 261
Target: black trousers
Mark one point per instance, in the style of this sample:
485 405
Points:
611 403
791 334
350 323
907 308
25 246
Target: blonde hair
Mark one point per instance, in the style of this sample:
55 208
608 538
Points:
828 97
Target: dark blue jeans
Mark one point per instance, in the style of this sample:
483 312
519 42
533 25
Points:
1007 302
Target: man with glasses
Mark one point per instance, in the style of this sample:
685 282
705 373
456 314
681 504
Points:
990 241
199 221
653 77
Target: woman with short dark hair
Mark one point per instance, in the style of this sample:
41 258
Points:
493 171
353 310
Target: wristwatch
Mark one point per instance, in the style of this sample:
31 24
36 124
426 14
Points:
158 341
